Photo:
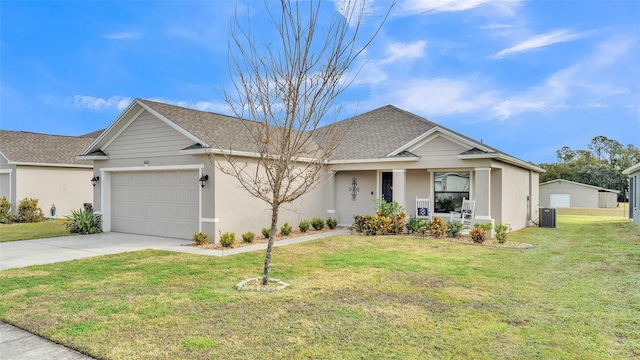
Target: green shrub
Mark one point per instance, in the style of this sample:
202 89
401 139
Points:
388 209
266 232
438 227
317 223
83 222
285 229
200 238
454 228
29 210
227 239
484 226
501 232
303 225
332 223
248 237
5 206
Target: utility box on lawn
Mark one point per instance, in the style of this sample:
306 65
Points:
548 217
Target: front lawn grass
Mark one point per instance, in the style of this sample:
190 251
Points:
575 295
27 231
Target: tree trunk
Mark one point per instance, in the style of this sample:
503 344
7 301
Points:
272 236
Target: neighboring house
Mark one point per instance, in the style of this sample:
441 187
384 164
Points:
565 193
45 167
634 192
150 159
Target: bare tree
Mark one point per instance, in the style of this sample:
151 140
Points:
288 88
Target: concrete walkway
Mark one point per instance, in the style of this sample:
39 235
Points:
16 344
17 254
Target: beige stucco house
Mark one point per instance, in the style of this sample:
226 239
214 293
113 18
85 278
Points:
565 193
150 159
634 192
45 167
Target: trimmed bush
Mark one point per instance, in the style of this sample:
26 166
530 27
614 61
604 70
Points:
200 238
227 239
303 225
266 232
438 227
454 228
248 237
501 232
332 223
5 205
285 229
29 211
83 222
317 223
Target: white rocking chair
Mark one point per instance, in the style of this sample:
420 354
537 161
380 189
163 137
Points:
423 210
466 213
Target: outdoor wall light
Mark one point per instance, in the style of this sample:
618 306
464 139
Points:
95 179
203 180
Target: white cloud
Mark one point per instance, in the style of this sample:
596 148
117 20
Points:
505 7
354 10
539 41
130 35
397 51
210 106
100 104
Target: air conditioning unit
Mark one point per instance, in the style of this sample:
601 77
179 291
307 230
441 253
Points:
548 217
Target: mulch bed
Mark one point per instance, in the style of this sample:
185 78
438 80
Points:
463 240
259 240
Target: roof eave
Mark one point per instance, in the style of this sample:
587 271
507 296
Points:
92 157
503 158
25 163
365 161
632 169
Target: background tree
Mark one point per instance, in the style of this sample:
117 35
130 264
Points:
565 154
597 145
288 87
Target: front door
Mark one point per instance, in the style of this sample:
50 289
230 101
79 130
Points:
387 186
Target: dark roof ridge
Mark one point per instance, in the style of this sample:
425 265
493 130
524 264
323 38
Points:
42 134
197 110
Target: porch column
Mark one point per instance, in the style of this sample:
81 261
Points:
482 193
399 186
331 192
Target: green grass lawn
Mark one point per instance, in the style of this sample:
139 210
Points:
575 295
45 229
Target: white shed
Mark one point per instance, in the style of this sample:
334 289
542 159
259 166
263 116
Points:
565 193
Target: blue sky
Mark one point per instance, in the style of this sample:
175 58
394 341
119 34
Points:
526 77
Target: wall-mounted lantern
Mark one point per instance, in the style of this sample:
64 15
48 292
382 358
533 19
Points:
95 179
203 180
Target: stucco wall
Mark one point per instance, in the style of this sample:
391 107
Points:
581 196
418 185
346 206
518 196
67 188
238 211
634 196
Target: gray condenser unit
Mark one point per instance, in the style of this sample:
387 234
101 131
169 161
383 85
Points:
548 217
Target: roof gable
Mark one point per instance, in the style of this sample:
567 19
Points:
21 147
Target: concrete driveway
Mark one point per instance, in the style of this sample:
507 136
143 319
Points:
16 254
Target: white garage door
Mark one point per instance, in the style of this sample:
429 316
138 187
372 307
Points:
560 200
163 203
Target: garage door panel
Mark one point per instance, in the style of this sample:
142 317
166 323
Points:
163 203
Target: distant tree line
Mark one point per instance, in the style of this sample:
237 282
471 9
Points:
601 165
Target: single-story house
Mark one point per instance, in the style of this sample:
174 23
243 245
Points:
634 192
45 167
565 193
150 159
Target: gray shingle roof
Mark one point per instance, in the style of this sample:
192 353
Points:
372 135
28 147
219 131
